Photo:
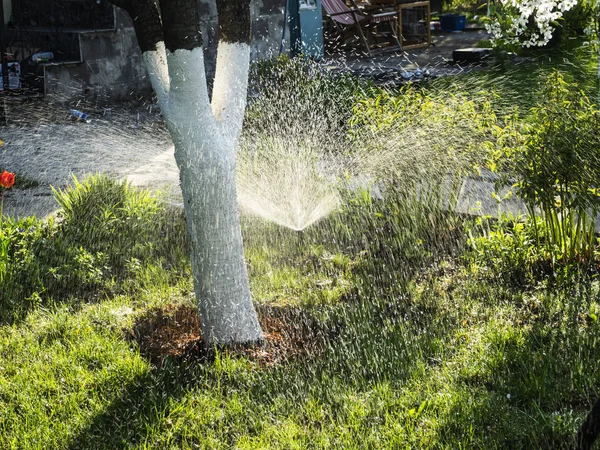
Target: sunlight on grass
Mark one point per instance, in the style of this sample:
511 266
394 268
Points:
392 322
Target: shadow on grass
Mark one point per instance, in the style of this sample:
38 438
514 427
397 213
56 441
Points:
126 421
170 338
532 381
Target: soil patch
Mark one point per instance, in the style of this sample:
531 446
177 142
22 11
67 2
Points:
173 332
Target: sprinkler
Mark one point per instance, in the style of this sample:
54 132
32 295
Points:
300 234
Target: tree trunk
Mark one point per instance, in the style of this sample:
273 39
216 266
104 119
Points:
206 159
207 165
205 138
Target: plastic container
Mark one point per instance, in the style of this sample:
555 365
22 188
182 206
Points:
78 115
14 76
453 22
42 57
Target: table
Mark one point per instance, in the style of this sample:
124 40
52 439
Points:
413 24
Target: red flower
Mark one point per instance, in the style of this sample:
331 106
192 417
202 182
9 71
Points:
7 179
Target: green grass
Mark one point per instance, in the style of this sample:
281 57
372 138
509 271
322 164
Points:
443 354
400 326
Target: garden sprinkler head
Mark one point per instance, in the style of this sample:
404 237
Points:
300 234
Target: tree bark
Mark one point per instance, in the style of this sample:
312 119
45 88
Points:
207 169
233 63
205 144
146 21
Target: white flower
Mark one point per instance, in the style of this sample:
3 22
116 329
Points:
519 13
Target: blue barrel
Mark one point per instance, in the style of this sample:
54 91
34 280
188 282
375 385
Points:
453 22
306 27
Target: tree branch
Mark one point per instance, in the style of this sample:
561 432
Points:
185 58
233 61
146 21
234 21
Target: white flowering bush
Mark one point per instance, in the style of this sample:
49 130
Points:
527 23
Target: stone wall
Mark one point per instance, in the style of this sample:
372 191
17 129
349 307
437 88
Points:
111 67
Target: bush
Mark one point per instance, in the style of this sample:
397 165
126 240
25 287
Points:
506 250
297 96
108 217
105 232
557 165
421 137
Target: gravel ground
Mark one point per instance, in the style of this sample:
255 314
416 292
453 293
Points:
129 143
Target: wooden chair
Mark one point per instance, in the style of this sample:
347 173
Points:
347 19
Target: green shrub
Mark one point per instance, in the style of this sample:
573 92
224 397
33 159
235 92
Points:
577 19
557 165
105 233
520 252
297 96
422 137
506 249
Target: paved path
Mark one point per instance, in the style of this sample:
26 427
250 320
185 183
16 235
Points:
120 145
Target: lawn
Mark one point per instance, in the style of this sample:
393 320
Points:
393 322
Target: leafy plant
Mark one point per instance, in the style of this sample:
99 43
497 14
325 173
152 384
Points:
296 96
507 249
107 232
421 136
558 169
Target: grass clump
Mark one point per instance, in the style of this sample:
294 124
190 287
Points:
105 236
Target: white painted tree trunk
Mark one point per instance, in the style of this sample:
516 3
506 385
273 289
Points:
205 138
155 62
206 159
230 88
